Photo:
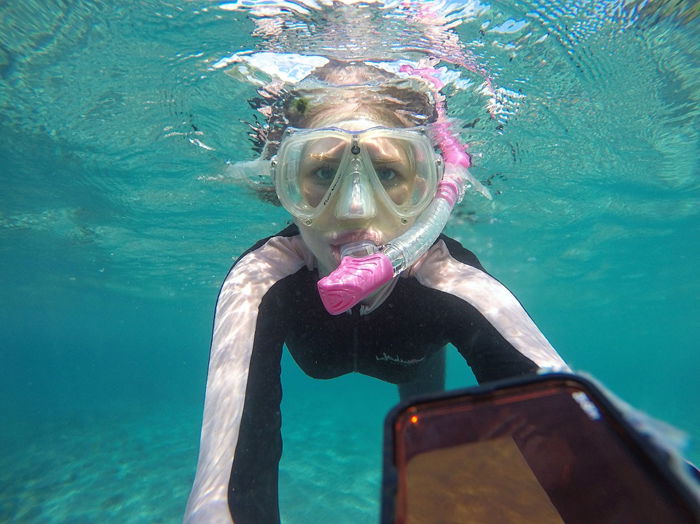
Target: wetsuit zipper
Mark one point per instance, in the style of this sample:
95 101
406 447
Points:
355 336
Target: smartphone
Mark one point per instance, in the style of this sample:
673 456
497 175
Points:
542 449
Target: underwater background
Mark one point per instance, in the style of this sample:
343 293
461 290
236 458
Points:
118 224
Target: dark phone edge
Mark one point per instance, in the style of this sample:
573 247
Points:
647 452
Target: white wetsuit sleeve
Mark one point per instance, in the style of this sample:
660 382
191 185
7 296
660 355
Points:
237 312
439 270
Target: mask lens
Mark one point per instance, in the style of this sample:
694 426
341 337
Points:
318 167
397 166
403 168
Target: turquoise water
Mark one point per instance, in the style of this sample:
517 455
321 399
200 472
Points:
116 229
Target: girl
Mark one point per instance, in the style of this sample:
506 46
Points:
367 165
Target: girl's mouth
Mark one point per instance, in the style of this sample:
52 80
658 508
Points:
337 242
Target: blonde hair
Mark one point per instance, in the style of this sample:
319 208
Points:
335 92
388 105
358 88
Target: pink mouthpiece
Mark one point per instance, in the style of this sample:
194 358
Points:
353 280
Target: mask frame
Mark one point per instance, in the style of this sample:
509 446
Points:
356 161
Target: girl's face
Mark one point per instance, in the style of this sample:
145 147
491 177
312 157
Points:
359 210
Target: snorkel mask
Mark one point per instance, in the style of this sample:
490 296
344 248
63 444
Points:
355 172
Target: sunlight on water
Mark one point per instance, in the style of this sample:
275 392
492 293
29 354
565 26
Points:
561 101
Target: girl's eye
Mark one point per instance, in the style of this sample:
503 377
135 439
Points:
387 174
324 174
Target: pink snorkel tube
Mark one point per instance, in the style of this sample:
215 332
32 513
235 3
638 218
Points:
356 278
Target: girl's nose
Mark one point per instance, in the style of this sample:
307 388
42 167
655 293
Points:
356 199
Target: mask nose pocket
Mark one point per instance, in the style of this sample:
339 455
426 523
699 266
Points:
355 200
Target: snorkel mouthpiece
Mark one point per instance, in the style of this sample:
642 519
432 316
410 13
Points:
362 248
353 280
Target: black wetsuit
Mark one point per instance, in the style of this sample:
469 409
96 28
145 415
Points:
269 298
